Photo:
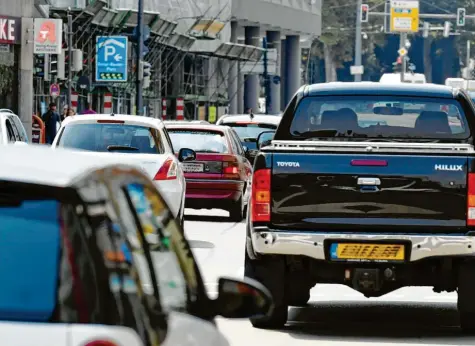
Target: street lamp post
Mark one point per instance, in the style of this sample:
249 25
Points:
139 67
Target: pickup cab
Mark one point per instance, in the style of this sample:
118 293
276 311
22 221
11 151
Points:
370 186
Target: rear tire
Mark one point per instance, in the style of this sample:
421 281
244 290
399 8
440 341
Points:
269 271
466 297
236 212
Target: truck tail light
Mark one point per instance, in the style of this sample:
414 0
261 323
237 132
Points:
471 200
168 171
260 198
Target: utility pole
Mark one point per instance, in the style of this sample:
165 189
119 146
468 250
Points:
70 58
139 68
467 58
402 43
266 75
358 39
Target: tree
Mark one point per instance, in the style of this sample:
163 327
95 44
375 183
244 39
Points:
338 34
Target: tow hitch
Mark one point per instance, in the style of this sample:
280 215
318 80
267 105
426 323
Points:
367 280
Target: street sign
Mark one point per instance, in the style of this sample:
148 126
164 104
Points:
357 70
54 90
276 79
402 51
404 16
111 59
48 35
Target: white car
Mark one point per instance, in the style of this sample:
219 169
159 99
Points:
135 140
12 130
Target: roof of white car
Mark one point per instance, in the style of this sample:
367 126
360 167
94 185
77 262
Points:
39 164
258 118
129 119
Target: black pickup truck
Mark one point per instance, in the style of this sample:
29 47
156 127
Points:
367 185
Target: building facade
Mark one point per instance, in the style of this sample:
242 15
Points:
200 52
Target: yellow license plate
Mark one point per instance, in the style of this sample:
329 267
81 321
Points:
367 252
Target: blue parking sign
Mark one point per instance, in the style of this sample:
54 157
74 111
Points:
111 59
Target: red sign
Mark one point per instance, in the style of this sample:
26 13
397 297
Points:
10 29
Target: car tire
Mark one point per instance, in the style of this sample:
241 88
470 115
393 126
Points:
298 293
236 212
269 271
466 297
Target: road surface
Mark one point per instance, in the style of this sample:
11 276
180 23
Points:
336 314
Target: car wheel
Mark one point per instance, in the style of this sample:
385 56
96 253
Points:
236 213
466 296
269 271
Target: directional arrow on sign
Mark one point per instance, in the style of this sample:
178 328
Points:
118 57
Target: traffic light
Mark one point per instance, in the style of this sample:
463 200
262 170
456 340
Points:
39 61
147 72
364 13
53 64
461 16
447 27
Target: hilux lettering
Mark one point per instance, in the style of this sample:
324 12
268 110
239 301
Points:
454 168
288 164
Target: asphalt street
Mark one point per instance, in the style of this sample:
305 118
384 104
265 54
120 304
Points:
336 314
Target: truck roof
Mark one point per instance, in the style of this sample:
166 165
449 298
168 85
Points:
375 88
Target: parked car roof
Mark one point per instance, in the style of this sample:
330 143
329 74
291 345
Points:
131 119
258 118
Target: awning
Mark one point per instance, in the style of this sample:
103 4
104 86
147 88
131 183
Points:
179 41
206 29
236 51
163 27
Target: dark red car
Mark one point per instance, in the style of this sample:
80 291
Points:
220 177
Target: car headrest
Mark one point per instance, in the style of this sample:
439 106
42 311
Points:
342 119
433 122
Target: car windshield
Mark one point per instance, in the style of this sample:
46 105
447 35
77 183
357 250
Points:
202 141
115 137
379 117
250 130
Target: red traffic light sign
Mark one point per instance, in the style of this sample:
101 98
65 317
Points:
364 13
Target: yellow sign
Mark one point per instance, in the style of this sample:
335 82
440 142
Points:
371 252
404 15
212 114
402 51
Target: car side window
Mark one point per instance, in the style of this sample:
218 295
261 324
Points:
237 142
20 128
10 132
152 213
233 143
127 302
165 133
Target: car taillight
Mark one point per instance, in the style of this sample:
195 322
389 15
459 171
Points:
101 343
231 170
167 171
260 199
471 200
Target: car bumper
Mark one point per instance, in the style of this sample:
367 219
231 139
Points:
311 244
209 193
172 193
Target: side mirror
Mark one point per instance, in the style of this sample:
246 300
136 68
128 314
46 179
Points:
186 154
244 298
264 138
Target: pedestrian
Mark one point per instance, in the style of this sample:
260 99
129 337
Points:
51 120
64 114
88 109
70 112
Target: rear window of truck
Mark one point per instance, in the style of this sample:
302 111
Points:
379 117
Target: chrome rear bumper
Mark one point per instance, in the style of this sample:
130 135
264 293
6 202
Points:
311 244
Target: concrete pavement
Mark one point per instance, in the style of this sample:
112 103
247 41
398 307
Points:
337 315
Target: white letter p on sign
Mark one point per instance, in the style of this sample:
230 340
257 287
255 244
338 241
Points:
109 51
